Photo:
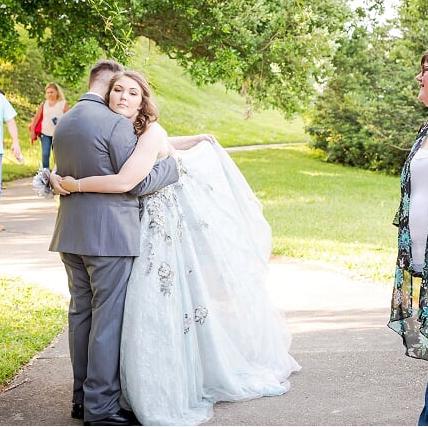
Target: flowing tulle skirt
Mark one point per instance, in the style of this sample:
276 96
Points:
198 325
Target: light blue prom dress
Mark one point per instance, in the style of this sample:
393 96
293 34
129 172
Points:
198 325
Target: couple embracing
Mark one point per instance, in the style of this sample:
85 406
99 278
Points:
166 250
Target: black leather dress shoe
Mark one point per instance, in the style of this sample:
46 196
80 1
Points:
121 418
77 411
132 417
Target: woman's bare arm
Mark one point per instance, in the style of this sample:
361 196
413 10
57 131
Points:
186 142
135 169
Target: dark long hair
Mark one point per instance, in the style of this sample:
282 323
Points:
148 112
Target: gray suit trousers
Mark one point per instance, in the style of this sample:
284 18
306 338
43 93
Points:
97 289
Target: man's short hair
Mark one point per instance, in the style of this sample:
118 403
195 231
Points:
104 65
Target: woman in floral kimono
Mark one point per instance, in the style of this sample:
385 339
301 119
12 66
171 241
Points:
409 306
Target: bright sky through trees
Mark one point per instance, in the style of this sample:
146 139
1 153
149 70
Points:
390 7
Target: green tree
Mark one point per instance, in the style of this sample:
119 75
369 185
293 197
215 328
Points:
368 114
413 16
70 33
272 50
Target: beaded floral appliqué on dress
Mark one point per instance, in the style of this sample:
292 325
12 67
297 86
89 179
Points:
155 207
166 278
200 314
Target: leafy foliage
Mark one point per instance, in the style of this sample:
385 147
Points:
413 16
272 50
70 33
368 114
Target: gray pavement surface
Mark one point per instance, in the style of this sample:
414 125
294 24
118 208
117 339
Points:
262 147
354 371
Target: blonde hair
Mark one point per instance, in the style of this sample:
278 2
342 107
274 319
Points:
58 89
148 111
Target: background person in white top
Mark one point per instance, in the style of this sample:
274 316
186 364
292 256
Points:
7 115
51 111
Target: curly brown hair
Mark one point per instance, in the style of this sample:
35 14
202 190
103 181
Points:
148 112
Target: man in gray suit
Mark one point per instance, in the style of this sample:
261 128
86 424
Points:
98 236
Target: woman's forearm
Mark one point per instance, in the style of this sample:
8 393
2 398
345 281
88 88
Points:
189 141
105 184
13 131
135 169
183 142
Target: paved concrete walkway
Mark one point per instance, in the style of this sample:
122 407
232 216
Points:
28 222
354 370
262 147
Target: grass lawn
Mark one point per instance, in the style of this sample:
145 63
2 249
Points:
30 317
318 211
12 169
326 212
185 108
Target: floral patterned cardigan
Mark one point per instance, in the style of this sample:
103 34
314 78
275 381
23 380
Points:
409 305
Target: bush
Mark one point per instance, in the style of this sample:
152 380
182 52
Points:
368 114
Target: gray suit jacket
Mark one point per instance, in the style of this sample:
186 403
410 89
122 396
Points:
92 140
